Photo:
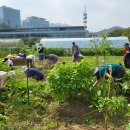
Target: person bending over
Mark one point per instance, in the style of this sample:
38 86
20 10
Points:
8 61
108 71
52 59
34 73
30 61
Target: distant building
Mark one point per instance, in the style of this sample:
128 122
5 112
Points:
10 16
35 22
2 21
46 32
58 25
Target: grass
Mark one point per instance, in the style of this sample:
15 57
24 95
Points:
42 112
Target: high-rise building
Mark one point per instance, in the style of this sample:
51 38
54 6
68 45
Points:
10 16
35 22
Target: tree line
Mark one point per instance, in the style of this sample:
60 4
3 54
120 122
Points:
121 32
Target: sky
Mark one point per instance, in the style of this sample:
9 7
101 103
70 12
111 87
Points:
101 14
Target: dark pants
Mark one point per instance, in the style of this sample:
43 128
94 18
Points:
76 55
120 73
127 63
30 63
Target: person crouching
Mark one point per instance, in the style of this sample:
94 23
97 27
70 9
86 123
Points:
8 61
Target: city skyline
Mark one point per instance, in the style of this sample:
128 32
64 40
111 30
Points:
102 14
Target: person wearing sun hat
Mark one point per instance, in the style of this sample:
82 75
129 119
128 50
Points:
108 71
33 72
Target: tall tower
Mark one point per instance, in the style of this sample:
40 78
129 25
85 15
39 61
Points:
85 17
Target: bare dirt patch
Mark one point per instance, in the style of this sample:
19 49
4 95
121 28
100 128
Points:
77 115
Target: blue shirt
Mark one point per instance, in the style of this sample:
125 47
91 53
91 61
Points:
35 73
105 69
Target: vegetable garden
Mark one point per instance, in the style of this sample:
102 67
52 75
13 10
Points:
66 100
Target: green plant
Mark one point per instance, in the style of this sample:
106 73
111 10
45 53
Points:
4 67
57 51
122 86
108 103
69 80
30 41
90 120
128 127
111 106
3 120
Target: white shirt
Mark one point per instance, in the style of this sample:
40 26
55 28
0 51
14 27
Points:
9 62
31 57
2 79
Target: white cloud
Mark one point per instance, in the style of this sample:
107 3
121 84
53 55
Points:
101 13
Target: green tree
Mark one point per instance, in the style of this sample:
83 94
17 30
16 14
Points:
30 41
120 32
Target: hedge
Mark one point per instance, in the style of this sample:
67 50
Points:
60 51
85 52
57 51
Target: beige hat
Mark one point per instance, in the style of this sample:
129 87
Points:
24 68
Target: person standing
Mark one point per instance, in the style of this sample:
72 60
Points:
108 71
126 59
40 55
75 52
126 48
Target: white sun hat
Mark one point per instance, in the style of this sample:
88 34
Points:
24 68
96 70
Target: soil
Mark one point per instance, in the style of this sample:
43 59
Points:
80 127
77 115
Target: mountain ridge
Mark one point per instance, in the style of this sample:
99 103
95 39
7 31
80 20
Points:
106 31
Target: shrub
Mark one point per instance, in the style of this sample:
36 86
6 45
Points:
3 119
92 51
111 107
69 80
57 51
84 51
4 67
116 51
